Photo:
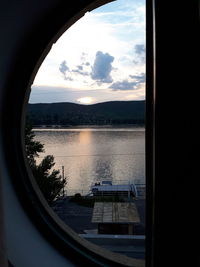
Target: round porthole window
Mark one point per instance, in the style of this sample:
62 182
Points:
85 132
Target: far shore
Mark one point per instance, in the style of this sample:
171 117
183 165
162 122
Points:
88 126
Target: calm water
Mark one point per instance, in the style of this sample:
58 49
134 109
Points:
95 154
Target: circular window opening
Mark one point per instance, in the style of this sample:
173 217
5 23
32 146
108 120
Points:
85 131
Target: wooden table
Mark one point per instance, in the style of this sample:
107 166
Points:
124 213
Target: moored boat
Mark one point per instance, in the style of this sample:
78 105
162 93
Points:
106 188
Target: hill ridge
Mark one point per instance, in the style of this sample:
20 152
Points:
67 113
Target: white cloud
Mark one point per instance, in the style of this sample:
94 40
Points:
102 67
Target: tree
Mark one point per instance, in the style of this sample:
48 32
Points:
32 147
49 182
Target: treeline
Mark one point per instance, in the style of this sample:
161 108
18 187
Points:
70 114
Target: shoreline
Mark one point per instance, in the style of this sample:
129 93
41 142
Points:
105 126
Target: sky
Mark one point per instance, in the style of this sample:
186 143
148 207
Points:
99 58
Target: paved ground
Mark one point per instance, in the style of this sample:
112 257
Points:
76 216
79 219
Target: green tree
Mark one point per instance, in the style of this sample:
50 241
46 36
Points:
49 182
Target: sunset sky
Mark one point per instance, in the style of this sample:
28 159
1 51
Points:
99 58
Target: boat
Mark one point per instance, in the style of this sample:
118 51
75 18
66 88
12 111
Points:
106 188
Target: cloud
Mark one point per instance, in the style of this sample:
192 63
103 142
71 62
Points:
63 68
139 49
124 85
102 68
79 70
68 74
79 67
129 85
139 78
140 53
83 58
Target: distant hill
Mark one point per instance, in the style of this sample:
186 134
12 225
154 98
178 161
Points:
66 114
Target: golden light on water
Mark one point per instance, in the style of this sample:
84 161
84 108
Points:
85 138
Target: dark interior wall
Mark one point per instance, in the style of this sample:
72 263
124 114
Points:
176 131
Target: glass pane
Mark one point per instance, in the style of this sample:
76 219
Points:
85 130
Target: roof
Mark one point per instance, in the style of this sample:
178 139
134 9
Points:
115 212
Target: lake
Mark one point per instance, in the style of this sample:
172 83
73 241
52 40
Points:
94 154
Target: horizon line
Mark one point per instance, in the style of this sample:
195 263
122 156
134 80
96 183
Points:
88 104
